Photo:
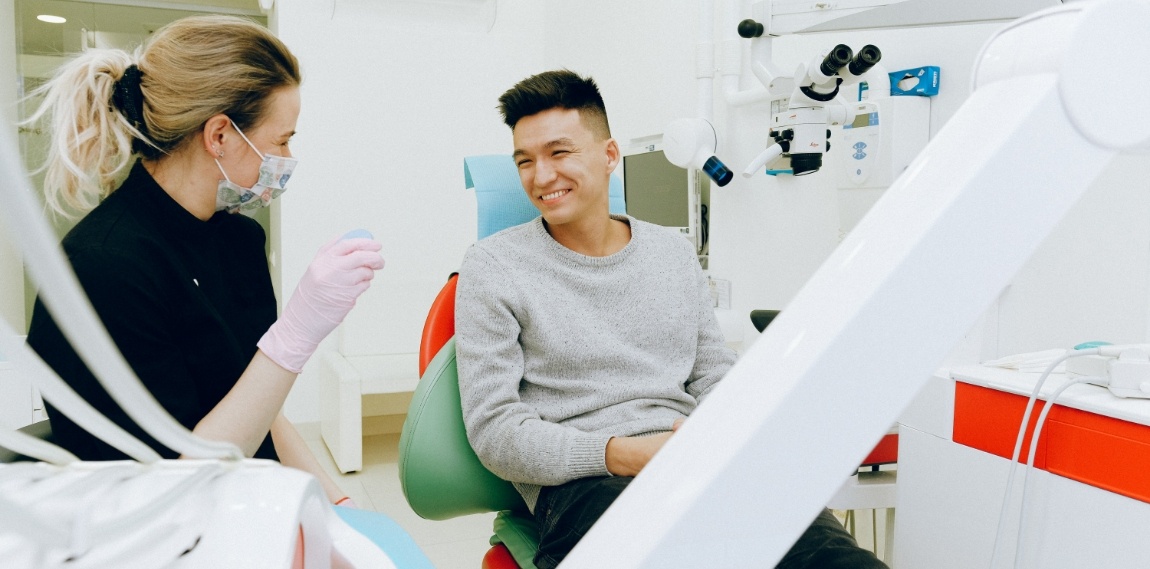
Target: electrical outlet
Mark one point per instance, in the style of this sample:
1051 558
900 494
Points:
721 293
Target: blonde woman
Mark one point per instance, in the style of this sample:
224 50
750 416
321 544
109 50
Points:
199 121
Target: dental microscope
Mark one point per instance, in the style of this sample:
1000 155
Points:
799 121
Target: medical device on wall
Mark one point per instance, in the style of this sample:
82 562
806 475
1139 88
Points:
881 140
863 139
800 122
661 192
691 143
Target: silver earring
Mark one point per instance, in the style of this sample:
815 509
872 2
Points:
219 153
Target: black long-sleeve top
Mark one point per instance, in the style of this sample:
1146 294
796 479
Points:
185 300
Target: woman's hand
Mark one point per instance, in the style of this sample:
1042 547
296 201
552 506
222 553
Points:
341 271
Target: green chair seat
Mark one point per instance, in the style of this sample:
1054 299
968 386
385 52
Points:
441 476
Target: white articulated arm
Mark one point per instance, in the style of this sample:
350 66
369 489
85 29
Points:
66 301
742 479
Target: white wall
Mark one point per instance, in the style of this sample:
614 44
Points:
11 266
8 72
392 102
641 53
1089 279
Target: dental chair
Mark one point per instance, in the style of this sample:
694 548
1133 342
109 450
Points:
441 476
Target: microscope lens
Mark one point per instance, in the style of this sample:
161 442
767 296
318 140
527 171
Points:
806 163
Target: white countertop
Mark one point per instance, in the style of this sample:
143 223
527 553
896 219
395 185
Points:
1091 398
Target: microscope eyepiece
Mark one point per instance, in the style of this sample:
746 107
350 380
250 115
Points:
838 57
867 57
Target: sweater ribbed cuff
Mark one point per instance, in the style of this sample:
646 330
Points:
587 456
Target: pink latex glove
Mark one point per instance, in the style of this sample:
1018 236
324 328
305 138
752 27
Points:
340 272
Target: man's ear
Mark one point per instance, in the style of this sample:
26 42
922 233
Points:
613 154
215 135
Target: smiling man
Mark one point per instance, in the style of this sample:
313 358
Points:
584 339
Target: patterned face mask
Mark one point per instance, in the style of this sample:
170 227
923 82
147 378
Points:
274 173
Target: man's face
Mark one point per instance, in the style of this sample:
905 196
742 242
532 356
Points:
564 170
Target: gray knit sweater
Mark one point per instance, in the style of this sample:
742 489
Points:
559 351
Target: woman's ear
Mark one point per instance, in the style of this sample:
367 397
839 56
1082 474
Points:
215 135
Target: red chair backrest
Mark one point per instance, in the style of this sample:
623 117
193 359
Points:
885 452
440 324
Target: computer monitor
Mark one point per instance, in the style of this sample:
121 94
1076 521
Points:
660 192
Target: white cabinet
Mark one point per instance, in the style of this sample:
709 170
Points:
20 404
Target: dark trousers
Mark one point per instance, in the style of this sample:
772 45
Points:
566 513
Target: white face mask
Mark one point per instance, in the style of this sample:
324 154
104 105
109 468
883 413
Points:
274 173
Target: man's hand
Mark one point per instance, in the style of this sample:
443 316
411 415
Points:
626 456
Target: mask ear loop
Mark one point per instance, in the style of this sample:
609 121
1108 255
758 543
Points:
221 167
245 137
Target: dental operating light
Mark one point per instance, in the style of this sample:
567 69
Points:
691 143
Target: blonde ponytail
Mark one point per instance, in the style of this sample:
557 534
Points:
91 143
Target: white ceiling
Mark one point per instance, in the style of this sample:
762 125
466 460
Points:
126 18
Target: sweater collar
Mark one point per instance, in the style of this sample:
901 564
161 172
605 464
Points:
614 258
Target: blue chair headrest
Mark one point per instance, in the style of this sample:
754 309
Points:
502 203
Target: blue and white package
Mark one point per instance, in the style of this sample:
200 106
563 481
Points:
917 81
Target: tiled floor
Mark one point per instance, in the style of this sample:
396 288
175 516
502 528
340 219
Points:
450 544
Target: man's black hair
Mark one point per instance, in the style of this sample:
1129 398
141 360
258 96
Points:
556 89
